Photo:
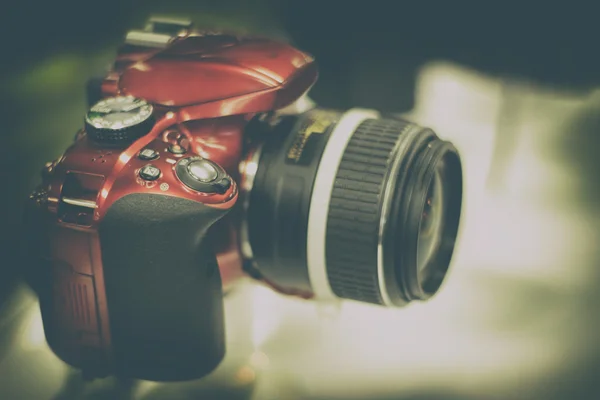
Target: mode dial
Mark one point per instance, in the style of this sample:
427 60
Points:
119 120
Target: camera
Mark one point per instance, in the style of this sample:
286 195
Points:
198 165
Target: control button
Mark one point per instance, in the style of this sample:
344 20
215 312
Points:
149 172
172 136
203 175
148 154
202 170
223 185
176 149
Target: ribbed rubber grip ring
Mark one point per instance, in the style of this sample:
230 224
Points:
355 210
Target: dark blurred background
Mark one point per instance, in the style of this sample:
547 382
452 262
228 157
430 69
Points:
369 54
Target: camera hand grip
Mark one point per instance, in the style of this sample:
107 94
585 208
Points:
163 287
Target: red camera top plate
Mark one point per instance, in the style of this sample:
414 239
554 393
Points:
210 76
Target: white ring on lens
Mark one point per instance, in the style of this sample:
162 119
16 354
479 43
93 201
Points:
321 196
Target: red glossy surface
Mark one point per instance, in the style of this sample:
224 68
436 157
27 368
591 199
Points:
214 76
219 139
128 54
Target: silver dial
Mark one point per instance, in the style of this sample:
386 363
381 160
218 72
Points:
116 113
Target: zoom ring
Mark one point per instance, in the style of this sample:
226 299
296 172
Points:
355 210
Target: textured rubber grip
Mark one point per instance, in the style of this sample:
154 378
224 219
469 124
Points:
163 287
355 210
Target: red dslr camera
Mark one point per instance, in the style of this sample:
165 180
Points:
196 166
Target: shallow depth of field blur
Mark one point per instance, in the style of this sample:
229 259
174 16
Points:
517 316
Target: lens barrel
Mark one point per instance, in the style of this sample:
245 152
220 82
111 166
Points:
376 209
372 190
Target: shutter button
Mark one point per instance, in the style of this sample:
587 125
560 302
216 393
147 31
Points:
202 175
202 170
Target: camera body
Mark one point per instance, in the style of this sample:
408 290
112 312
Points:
193 169
125 214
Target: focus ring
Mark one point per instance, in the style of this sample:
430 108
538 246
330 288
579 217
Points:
355 210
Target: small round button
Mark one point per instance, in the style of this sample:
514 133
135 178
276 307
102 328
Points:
202 175
176 149
149 172
223 185
172 136
202 170
148 155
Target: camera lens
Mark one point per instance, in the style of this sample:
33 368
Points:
354 205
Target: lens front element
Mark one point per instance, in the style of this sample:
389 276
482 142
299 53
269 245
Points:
431 224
